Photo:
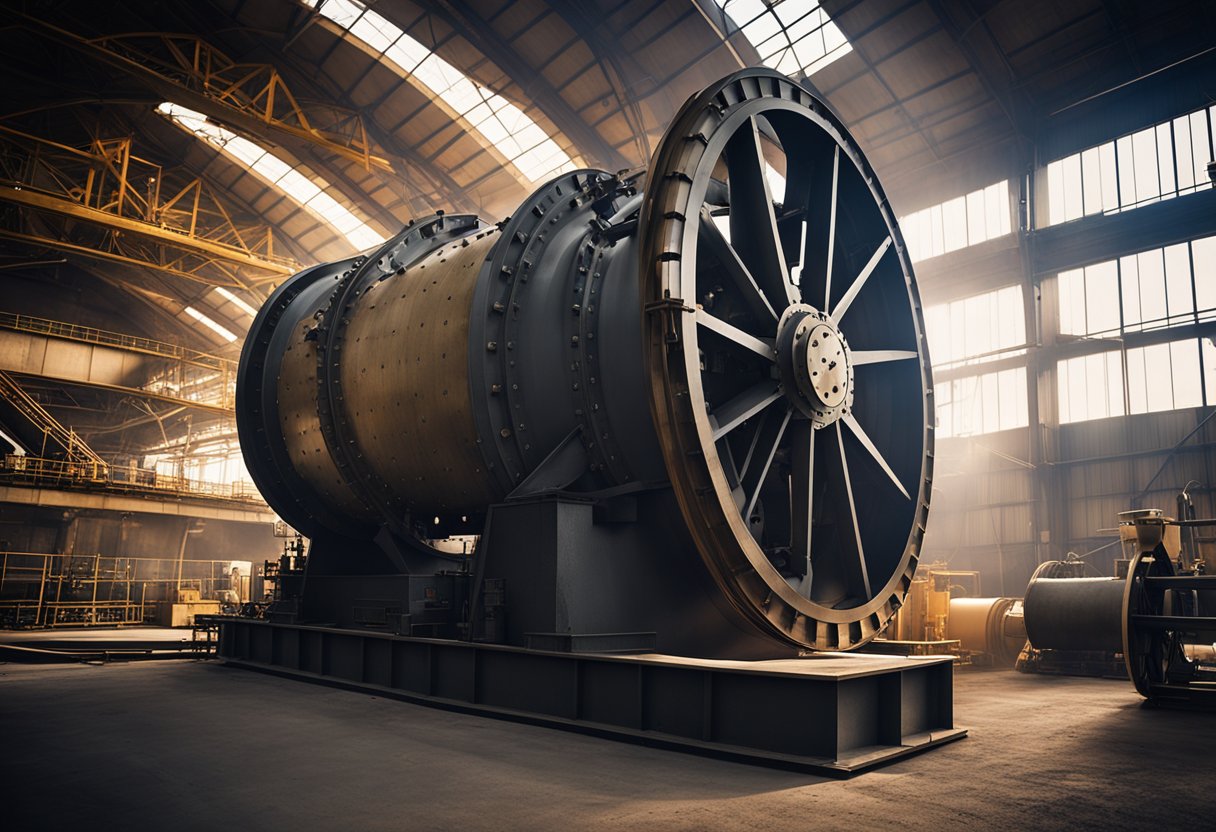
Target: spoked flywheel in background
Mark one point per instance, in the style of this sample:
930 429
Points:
790 379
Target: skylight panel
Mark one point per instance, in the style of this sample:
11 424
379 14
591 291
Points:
221 331
293 183
463 95
232 297
745 11
494 130
247 153
792 11
405 52
342 12
805 25
375 31
516 136
272 167
791 35
300 188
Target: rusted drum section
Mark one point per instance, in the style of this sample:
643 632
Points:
404 367
291 414
301 425
276 409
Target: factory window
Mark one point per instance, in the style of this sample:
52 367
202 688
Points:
976 329
498 122
1164 377
791 36
1090 387
222 332
1158 377
1156 288
1203 271
1158 162
982 403
957 223
300 187
1089 299
209 460
218 464
1207 353
1150 290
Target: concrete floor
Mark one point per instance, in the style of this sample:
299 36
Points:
188 745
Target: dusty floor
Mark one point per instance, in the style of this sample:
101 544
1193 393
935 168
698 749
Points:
186 745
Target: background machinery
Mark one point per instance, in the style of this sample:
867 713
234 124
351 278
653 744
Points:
1158 620
946 612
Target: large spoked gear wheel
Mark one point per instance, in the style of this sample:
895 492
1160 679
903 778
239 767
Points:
790 378
1149 651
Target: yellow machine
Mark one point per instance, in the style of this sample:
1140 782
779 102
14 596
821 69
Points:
943 613
183 605
926 611
1140 529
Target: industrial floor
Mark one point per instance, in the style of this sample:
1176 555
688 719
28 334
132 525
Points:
187 745
107 636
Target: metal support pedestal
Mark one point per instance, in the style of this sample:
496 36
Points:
831 714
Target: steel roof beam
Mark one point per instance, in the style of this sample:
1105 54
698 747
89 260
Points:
587 141
202 87
64 207
991 66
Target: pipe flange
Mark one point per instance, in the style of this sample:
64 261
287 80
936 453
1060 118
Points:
265 452
590 406
495 327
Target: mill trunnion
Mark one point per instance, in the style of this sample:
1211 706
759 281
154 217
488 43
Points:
685 414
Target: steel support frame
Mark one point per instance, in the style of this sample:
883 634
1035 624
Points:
182 228
251 96
830 715
119 389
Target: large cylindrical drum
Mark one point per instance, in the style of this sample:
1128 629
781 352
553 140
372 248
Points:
417 385
1075 614
759 352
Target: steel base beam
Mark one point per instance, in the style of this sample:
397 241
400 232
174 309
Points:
832 714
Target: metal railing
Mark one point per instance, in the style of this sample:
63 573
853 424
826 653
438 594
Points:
191 375
44 590
63 473
187 382
104 337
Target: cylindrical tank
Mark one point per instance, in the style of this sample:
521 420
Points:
1075 614
425 381
980 625
761 353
